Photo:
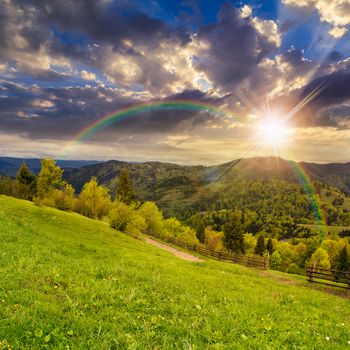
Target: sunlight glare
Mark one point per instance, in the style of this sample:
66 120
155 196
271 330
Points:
274 132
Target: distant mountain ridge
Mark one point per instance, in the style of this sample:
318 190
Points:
146 174
77 172
10 165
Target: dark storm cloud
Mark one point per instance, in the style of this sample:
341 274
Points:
335 87
331 104
235 47
60 113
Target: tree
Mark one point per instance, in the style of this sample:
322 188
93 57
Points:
275 260
49 178
260 246
7 186
320 259
153 217
213 239
249 243
342 261
125 190
200 231
94 200
269 246
25 183
233 234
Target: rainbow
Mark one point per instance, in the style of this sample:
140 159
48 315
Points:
313 198
130 111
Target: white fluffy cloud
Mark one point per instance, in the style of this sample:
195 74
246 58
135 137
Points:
335 12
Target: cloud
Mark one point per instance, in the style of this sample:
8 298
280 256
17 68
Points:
233 46
335 12
88 75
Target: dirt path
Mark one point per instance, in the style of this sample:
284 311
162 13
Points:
178 253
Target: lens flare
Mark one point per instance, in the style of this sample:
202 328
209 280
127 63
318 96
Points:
273 132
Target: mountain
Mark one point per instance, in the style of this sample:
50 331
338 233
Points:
267 185
9 165
154 175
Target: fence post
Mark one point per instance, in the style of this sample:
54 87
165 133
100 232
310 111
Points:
310 272
266 263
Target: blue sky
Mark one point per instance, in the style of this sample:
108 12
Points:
64 65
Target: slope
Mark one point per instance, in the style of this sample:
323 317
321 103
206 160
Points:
71 282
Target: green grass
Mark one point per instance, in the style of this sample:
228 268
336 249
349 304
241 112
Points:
68 282
325 228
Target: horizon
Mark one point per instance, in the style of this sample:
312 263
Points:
165 162
190 83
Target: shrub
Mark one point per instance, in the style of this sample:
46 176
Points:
153 218
173 227
127 219
213 239
275 260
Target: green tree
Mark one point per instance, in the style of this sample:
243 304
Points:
342 261
200 231
275 260
153 217
249 243
260 246
49 178
234 234
7 186
269 246
25 183
125 189
320 258
94 200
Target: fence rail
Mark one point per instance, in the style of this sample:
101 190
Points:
328 277
250 261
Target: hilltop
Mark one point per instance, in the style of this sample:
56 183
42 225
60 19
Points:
71 282
268 185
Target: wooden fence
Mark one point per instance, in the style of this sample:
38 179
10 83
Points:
250 261
328 277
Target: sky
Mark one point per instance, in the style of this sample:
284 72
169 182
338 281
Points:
275 75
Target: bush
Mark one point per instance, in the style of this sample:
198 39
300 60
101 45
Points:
275 260
127 219
153 217
174 228
213 239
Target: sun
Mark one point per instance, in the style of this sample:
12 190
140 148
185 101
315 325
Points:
273 132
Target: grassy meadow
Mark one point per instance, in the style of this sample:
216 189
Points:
69 282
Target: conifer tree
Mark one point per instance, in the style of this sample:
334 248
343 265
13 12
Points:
269 246
233 234
260 246
25 183
125 190
342 260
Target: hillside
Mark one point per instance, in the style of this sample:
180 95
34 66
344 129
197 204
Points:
265 185
71 282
